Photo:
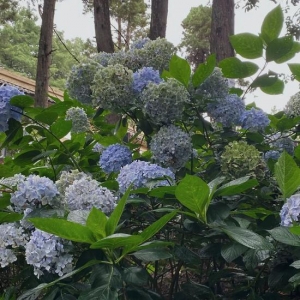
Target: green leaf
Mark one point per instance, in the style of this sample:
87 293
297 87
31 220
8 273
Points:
236 186
180 69
204 70
272 24
61 128
65 229
26 157
295 264
279 48
247 238
232 67
136 275
148 255
264 80
274 89
236 91
247 45
295 69
115 216
295 49
121 128
198 140
232 251
9 217
284 235
47 117
21 101
193 193
287 174
295 230
96 221
286 123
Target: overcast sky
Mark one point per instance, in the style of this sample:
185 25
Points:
69 18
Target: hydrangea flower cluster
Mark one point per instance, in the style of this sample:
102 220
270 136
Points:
48 254
80 80
34 192
144 174
164 102
85 193
142 77
292 108
112 88
254 120
103 58
215 87
11 182
12 237
67 178
282 143
140 43
272 154
114 157
227 111
98 148
78 216
80 121
290 211
171 147
6 93
240 159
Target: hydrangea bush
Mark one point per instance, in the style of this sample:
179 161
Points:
205 206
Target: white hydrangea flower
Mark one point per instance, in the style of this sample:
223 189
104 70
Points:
7 256
80 121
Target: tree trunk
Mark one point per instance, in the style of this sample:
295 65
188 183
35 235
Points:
102 26
44 54
222 26
159 14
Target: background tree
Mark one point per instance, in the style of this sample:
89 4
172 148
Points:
195 41
222 26
159 15
8 10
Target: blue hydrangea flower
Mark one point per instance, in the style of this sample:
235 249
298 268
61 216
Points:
34 192
114 157
103 58
290 211
6 93
227 111
78 116
48 254
142 77
272 154
254 120
281 142
98 148
140 43
85 193
144 174
171 147
7 256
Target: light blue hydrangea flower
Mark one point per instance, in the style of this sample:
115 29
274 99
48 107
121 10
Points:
272 154
227 111
281 142
8 111
142 77
112 88
98 148
129 59
34 192
144 174
7 256
80 80
48 254
290 211
164 102
114 157
140 43
85 193
254 120
171 147
80 121
103 58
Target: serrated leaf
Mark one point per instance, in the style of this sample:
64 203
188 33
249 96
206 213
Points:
180 69
204 70
64 229
272 24
295 49
278 48
247 238
193 193
274 89
287 175
247 45
283 235
233 67
22 101
232 251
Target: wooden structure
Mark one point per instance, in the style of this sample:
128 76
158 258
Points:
24 84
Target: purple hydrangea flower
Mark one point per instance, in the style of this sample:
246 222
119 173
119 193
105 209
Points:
254 120
144 174
290 211
114 157
142 77
227 111
272 154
